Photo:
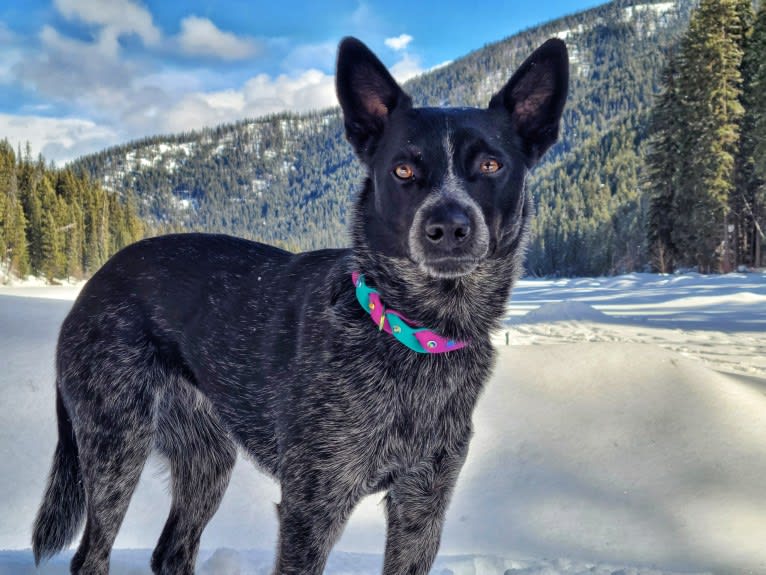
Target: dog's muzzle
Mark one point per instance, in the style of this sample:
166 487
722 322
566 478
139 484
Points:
448 237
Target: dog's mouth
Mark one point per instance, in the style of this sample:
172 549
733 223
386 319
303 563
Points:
448 267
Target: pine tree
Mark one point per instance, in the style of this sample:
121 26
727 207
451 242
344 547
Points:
51 250
13 244
750 195
16 246
7 176
663 165
133 224
34 216
710 85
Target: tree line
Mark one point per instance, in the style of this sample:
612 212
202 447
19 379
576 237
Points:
55 223
706 165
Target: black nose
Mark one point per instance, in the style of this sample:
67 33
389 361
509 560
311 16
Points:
448 226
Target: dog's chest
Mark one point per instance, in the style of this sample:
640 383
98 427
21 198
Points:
420 411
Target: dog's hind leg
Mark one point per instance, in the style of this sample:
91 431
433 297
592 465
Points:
201 457
113 424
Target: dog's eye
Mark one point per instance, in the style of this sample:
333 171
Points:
403 172
490 166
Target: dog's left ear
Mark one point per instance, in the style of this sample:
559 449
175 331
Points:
535 97
367 94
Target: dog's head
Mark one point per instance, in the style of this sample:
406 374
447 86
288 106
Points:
445 187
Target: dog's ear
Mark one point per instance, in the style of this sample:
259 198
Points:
367 94
535 97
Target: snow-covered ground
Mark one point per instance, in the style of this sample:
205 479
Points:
720 320
624 431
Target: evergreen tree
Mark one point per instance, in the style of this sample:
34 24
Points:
7 181
13 245
710 84
749 200
43 223
34 215
51 261
662 161
16 242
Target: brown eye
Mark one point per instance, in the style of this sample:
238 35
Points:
490 166
403 172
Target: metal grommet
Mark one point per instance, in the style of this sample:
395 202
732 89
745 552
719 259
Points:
371 305
397 329
431 344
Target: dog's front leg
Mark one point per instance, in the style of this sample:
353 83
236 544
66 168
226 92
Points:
415 510
312 513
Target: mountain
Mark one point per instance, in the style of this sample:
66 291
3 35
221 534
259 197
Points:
289 179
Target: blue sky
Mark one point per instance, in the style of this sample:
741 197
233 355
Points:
79 75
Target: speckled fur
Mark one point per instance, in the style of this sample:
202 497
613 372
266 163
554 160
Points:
195 345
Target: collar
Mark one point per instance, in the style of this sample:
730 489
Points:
417 338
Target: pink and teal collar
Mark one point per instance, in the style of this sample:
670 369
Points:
419 339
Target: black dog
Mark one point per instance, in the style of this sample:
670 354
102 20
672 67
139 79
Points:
195 345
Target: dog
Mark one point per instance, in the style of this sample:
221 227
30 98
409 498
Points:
341 372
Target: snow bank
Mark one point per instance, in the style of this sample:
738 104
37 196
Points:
628 455
616 452
731 301
35 287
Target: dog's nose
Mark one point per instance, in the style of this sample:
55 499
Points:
448 226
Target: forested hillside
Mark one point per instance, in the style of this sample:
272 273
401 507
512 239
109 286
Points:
56 224
289 179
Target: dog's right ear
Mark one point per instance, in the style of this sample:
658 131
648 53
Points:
367 94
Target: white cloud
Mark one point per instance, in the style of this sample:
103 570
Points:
72 71
261 95
200 37
398 42
59 139
406 68
306 56
311 90
106 44
122 16
110 97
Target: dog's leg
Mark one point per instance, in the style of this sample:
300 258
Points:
312 513
114 437
201 459
415 509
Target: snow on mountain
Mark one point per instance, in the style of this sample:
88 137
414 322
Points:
629 12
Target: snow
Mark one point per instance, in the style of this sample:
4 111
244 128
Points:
719 320
623 431
658 14
565 34
660 8
183 203
187 148
35 287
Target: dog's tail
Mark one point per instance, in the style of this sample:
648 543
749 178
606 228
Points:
63 507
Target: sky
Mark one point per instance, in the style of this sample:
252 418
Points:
77 76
